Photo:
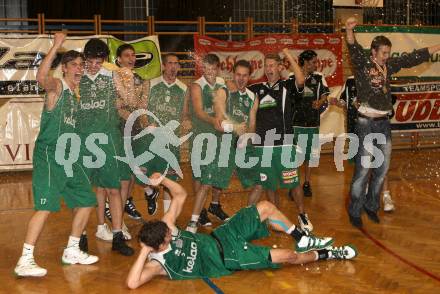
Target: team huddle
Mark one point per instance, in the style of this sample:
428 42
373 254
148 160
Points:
119 116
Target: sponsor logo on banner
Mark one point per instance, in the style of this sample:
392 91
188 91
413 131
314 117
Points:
329 56
204 42
303 42
221 44
228 59
319 41
334 40
286 41
417 106
270 41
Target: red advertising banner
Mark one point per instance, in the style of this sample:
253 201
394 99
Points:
417 106
327 46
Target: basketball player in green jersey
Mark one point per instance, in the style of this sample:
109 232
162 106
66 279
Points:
98 114
168 251
132 95
233 105
204 121
168 100
50 180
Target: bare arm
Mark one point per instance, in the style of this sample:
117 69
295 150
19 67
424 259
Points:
295 68
52 85
178 197
142 272
350 23
196 98
220 104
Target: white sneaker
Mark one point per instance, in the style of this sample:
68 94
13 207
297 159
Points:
104 233
342 252
125 232
26 267
73 255
305 223
388 204
192 227
310 242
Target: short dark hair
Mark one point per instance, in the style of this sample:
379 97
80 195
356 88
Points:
306 55
380 41
96 48
71 55
165 57
153 233
243 63
122 48
211 59
273 56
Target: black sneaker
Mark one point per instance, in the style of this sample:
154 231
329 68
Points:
107 213
119 245
355 221
372 215
307 189
217 211
204 219
131 210
84 243
152 201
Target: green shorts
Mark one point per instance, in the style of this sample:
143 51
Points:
124 169
275 174
248 176
235 236
157 164
107 176
311 148
50 183
219 171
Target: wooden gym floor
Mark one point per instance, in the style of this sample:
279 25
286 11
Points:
399 255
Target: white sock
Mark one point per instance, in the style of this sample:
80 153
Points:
166 205
73 242
148 190
84 233
214 202
28 249
316 255
195 218
387 192
290 230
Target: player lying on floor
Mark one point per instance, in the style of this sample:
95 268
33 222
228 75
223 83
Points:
169 251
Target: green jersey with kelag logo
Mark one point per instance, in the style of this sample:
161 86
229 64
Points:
208 91
238 105
60 120
191 256
166 100
97 109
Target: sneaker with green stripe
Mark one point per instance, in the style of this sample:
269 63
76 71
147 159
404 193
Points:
310 242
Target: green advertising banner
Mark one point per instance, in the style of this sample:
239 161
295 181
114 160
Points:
148 61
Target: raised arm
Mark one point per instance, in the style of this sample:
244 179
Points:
51 85
143 102
357 55
295 68
196 98
178 197
141 271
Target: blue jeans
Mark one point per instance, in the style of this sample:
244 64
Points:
359 198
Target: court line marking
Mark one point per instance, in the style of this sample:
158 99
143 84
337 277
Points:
213 286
